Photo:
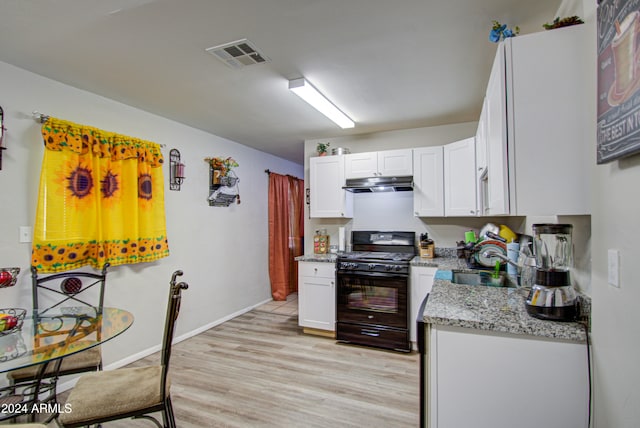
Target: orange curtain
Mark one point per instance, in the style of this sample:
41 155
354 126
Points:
286 226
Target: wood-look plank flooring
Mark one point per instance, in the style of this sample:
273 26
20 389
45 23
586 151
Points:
260 370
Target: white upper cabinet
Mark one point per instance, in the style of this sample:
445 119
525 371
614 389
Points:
326 179
387 163
536 121
497 189
481 140
428 182
460 178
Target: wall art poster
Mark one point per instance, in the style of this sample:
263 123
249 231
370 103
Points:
618 79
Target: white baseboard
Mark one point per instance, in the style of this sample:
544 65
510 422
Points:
68 384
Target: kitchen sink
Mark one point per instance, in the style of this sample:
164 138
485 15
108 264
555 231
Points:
480 278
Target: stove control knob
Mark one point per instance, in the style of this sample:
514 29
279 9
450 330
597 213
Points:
398 267
388 267
372 266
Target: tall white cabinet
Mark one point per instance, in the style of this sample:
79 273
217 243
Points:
496 139
535 125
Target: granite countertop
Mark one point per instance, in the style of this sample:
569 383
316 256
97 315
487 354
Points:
324 258
495 309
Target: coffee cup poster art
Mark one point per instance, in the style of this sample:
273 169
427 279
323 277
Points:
618 79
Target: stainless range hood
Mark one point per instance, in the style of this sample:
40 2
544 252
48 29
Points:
379 184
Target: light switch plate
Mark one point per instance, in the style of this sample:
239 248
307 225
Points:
613 268
26 234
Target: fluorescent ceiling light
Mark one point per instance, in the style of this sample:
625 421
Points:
304 90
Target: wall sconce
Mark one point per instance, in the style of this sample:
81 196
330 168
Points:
2 129
176 170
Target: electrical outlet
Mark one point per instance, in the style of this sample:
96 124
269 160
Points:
26 234
613 268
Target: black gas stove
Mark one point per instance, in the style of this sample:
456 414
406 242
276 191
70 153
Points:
372 297
375 261
375 251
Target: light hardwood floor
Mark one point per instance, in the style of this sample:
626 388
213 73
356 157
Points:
260 370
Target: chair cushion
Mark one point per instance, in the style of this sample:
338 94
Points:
89 359
28 426
111 393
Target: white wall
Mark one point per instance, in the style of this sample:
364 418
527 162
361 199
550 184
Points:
616 210
222 251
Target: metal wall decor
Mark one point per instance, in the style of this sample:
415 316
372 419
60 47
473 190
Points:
223 182
176 170
2 129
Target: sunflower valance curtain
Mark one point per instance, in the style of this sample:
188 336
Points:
101 199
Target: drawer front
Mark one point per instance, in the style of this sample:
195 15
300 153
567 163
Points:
371 335
316 269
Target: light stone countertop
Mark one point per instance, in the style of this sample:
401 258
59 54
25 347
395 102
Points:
323 258
495 309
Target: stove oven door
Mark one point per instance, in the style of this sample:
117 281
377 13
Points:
372 309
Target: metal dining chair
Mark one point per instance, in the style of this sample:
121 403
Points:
129 392
60 290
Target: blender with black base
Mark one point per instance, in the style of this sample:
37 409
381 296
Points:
552 297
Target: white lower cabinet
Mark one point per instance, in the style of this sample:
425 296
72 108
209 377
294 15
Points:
317 295
487 379
420 283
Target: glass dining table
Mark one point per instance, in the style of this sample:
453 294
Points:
43 339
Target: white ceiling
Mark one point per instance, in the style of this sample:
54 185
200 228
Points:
388 64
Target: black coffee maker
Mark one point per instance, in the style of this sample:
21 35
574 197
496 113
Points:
553 297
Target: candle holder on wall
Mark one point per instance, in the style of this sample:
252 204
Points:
176 170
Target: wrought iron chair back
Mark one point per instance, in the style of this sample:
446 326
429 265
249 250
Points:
61 290
103 396
84 288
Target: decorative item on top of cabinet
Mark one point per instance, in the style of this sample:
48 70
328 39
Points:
322 148
176 170
2 129
564 22
223 182
500 31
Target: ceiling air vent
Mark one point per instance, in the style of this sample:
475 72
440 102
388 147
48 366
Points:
238 54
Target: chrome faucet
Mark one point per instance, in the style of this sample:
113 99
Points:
490 253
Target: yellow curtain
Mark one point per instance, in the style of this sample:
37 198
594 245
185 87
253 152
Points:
101 200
